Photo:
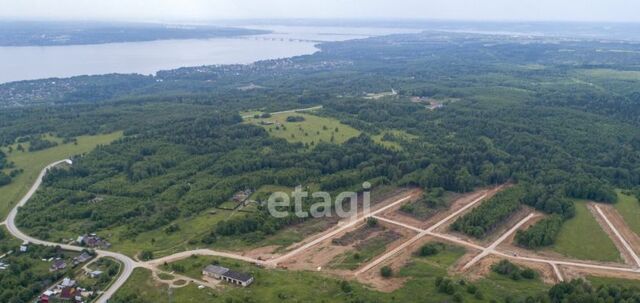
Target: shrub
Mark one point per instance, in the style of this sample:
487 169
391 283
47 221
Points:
386 272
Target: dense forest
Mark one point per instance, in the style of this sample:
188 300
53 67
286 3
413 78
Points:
543 233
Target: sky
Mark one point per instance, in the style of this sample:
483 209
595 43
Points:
198 10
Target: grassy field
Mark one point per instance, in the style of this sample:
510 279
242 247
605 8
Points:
629 207
582 237
597 281
423 271
162 243
391 138
313 130
366 251
142 286
33 162
301 286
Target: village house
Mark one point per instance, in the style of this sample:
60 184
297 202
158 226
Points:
242 196
93 241
95 274
58 264
84 257
227 275
65 291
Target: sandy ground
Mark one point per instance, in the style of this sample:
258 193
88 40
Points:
262 253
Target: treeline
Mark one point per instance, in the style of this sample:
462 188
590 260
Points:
37 144
581 291
4 179
541 234
484 218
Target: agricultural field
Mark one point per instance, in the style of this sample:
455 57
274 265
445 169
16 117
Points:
312 130
33 162
582 237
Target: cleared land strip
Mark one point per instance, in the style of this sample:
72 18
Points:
398 224
418 236
551 262
352 222
289 111
495 244
618 235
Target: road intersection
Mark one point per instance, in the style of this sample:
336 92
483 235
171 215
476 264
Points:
130 264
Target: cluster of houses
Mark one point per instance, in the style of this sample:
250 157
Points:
66 291
61 264
227 275
93 241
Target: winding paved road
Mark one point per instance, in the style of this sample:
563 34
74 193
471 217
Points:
128 263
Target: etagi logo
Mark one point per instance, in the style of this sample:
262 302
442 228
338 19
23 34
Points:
280 202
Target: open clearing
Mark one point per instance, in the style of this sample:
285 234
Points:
582 237
313 130
33 162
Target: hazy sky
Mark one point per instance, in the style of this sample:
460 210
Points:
168 10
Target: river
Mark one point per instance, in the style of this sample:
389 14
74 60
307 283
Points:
36 62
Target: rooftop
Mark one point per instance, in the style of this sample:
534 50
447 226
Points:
243 277
215 269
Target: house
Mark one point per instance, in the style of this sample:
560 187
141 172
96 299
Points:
44 298
24 247
242 196
214 271
69 293
238 278
66 283
58 265
95 274
84 257
92 240
227 275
